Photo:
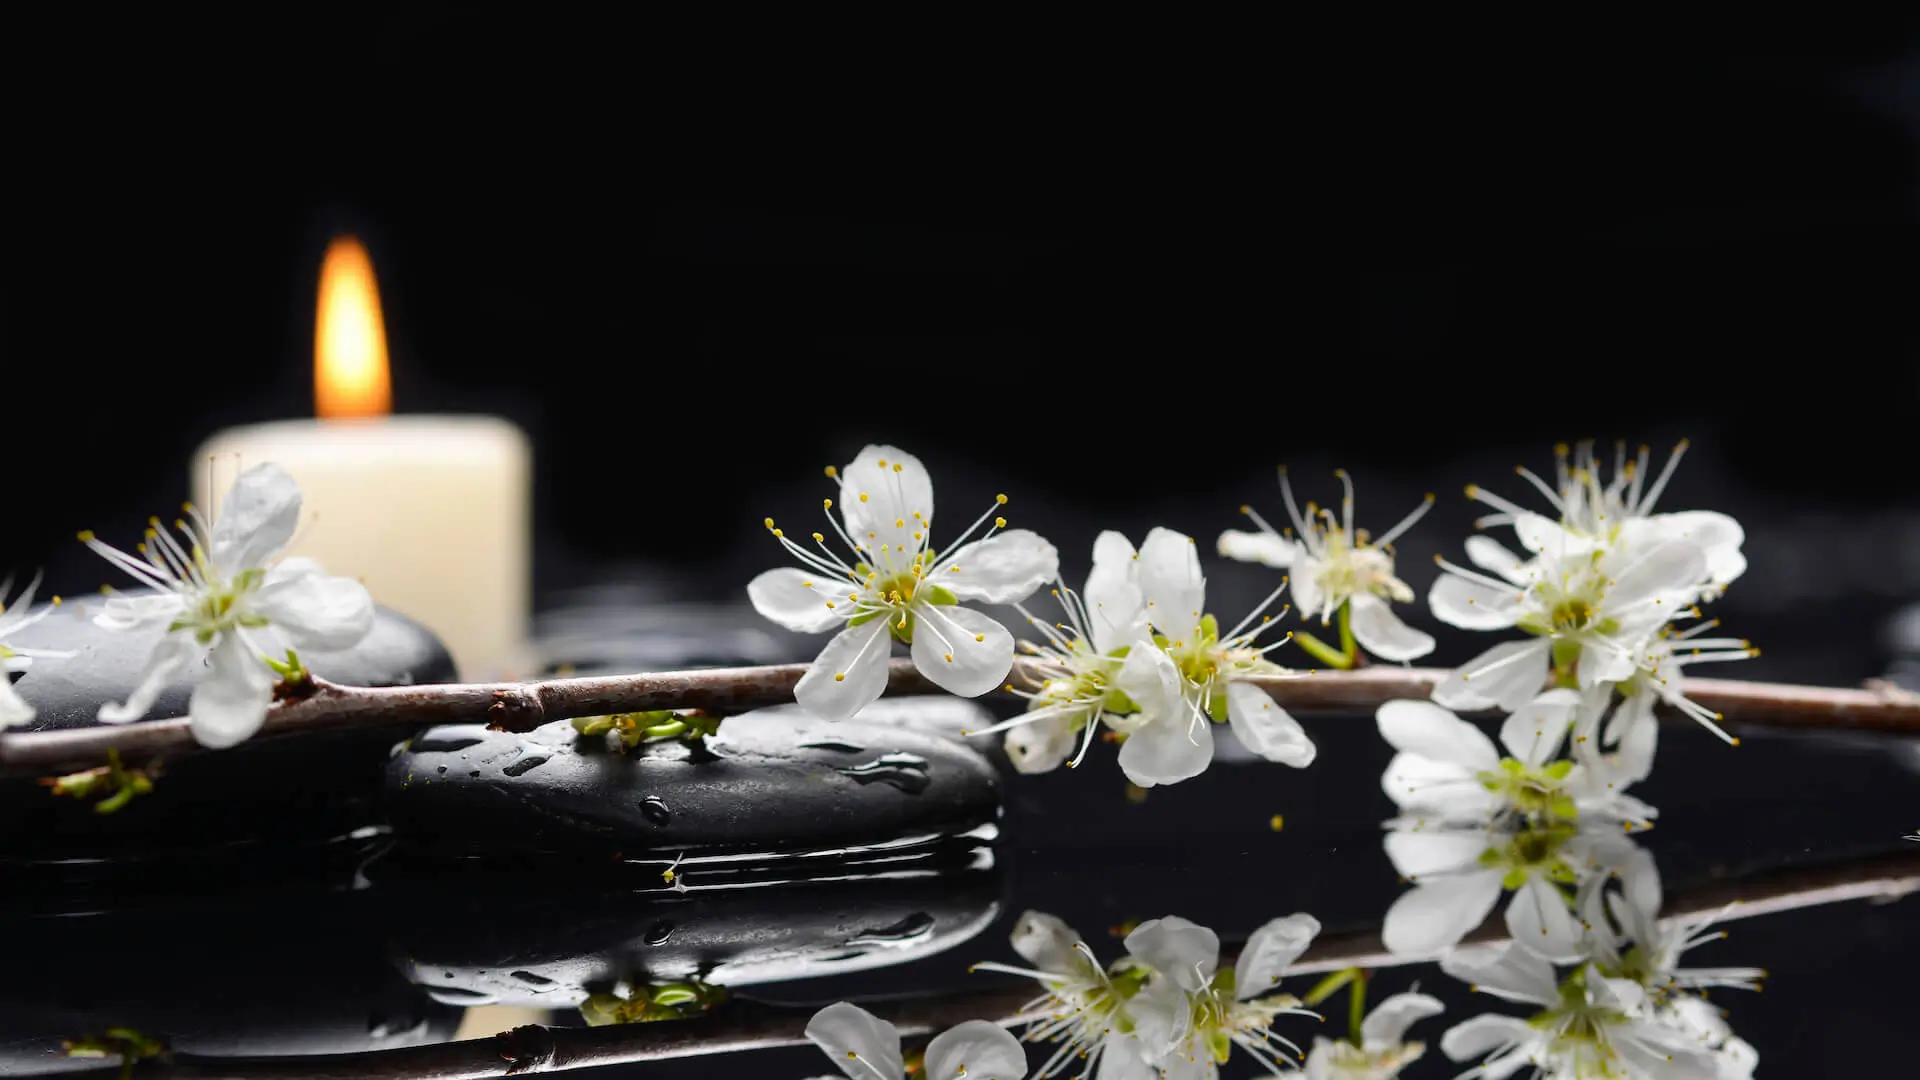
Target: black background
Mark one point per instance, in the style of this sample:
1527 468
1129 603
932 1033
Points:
1118 271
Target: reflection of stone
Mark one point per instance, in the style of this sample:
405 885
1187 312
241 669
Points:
533 944
256 975
266 791
766 782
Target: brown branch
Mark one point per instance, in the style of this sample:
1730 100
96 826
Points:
744 1025
527 705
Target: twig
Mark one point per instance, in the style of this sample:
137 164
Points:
748 1025
526 705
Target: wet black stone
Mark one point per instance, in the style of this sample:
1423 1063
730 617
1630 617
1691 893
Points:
266 792
551 948
769 781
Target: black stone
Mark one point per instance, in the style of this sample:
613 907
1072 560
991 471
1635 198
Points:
269 793
550 947
768 782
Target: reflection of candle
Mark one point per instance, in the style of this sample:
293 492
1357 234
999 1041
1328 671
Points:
430 512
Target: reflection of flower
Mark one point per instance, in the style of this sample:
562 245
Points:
1084 1009
1196 1014
866 1047
1587 1025
1382 1051
14 711
893 583
1190 674
218 589
1336 568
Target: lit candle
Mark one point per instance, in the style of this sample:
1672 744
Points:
431 513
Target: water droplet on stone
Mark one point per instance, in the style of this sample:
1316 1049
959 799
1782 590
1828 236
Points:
659 933
836 747
532 979
908 772
915 927
654 809
525 765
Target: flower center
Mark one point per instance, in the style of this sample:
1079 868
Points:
1532 853
221 608
1534 792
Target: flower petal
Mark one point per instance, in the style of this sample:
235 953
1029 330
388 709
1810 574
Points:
864 1046
1439 911
849 675
1483 1034
316 611
121 613
1124 1057
1150 677
1439 789
797 600
1505 971
1168 572
1002 569
1717 534
1542 536
172 653
1506 676
1380 631
962 651
1303 584
1417 854
1387 1024
1265 548
1047 942
1676 566
1171 748
1270 951
1472 605
14 710
1537 730
888 502
1183 951
1541 922
1041 745
230 701
1116 610
976 1050
1496 558
256 520
1426 729
1265 728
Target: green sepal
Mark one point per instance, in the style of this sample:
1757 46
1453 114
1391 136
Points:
1558 770
1117 702
866 617
1209 628
901 634
1515 878
1217 708
938 594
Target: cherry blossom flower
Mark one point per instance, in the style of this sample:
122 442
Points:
1195 1014
1336 569
1633 942
1585 1025
14 711
892 583
1618 513
866 1047
1382 1050
1658 679
217 594
1084 1008
1590 613
1189 675
1077 668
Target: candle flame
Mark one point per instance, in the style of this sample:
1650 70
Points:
350 338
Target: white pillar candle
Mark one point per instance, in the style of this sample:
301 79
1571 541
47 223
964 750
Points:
431 513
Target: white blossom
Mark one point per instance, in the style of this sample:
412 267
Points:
1383 1050
1659 679
14 711
1620 513
1593 610
218 592
1083 1010
865 1047
1078 666
1333 565
1191 1015
1189 675
893 584
1586 1026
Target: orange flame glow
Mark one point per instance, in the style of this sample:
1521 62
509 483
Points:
350 376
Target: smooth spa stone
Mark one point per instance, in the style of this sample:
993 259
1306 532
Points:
770 781
267 792
551 946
